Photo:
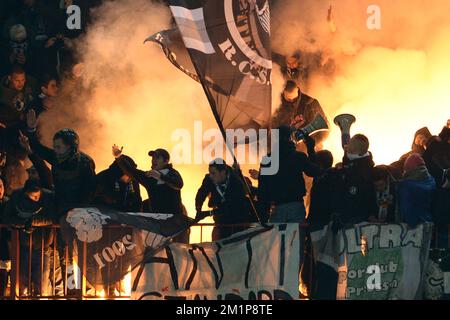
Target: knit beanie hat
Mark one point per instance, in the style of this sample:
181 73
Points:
413 162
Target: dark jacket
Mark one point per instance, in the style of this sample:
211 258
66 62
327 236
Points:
14 103
396 168
305 109
354 198
44 172
232 207
437 155
73 178
387 203
321 205
415 195
29 219
110 191
288 184
165 196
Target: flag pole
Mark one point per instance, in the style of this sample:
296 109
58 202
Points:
212 104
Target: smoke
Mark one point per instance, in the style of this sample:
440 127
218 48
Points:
393 79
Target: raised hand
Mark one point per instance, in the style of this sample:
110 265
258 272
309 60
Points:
254 174
116 151
24 142
153 174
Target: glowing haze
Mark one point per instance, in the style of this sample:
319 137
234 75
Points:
394 80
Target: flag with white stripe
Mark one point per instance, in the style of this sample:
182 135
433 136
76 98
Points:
228 42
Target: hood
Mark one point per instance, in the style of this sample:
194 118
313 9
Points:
419 149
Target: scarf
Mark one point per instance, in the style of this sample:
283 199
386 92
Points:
60 158
351 156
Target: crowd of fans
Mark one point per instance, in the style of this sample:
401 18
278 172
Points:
37 53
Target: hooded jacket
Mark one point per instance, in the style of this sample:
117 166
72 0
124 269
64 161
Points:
437 155
305 109
354 199
13 103
232 206
397 166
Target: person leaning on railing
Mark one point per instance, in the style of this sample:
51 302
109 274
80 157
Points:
29 209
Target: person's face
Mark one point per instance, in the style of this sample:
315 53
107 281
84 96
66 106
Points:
292 62
125 178
217 176
380 185
291 96
2 189
60 147
34 196
420 140
51 90
158 163
17 81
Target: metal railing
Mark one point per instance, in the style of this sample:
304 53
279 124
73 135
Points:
19 279
40 273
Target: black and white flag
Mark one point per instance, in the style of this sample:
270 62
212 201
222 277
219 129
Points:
228 42
113 243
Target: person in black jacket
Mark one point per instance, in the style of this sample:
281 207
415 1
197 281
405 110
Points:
73 171
118 190
386 188
163 183
354 196
73 174
320 208
284 191
29 209
227 198
298 110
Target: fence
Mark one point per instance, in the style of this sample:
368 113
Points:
39 273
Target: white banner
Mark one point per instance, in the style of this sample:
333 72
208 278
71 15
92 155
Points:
256 264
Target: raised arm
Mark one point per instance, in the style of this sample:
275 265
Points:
128 169
173 179
202 194
44 172
35 146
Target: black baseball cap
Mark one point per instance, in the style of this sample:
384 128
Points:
160 153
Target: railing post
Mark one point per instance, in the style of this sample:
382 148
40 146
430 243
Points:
15 263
